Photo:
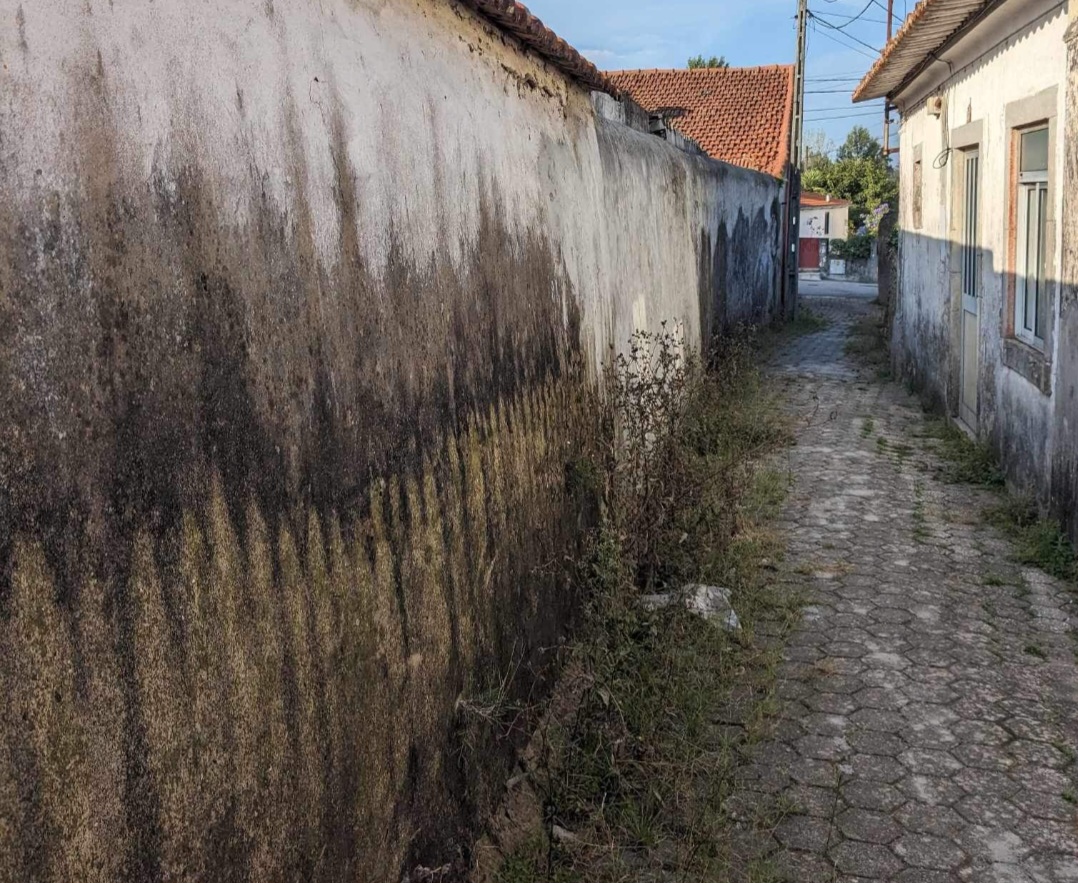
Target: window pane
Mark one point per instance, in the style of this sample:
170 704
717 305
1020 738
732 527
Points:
1029 277
1035 151
1042 258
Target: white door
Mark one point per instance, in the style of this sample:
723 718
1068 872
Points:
971 291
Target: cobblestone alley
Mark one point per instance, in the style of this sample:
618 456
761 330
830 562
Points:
930 698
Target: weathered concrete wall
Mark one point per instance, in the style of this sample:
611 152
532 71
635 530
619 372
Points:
1064 477
1013 62
299 305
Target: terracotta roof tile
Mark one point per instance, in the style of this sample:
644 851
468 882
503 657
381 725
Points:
821 200
518 21
740 115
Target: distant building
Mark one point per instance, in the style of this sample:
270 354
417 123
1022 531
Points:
986 320
823 219
740 115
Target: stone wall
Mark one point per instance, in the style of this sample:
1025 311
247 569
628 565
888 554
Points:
301 310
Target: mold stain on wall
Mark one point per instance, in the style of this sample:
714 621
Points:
262 523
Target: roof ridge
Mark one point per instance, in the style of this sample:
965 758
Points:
700 70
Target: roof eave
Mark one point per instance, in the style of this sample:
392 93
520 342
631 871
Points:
951 19
515 19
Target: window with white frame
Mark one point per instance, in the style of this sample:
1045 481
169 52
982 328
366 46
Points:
1031 303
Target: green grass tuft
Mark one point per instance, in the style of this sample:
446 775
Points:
1039 542
967 462
807 322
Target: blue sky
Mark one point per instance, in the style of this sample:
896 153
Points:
619 34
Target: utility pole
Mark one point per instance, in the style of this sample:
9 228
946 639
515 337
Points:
798 130
792 238
886 103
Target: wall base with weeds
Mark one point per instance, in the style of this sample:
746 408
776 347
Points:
1039 542
631 769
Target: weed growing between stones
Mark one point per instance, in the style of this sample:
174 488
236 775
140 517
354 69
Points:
868 342
1039 542
807 322
639 779
965 461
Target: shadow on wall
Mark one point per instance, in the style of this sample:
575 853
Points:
740 275
262 522
1023 400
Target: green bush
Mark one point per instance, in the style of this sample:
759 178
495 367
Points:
855 248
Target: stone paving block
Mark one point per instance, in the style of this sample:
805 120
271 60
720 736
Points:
870 742
879 720
931 791
872 795
868 860
868 826
804 833
811 800
942 821
927 851
802 867
930 762
874 768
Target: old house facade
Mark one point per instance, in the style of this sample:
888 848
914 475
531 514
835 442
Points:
823 220
981 321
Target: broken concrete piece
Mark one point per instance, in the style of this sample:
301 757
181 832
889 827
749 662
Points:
710 602
560 835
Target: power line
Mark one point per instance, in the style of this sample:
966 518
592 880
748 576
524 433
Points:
844 45
832 27
835 108
857 73
833 117
884 8
851 19
873 21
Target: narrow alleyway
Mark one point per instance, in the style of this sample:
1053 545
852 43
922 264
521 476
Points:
930 698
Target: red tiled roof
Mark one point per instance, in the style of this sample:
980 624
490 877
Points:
931 24
518 21
740 115
820 200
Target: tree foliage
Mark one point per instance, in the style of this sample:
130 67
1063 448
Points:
697 62
860 173
818 149
860 144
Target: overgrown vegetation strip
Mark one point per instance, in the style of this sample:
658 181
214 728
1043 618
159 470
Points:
639 776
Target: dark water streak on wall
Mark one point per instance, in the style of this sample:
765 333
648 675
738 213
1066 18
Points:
210 432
